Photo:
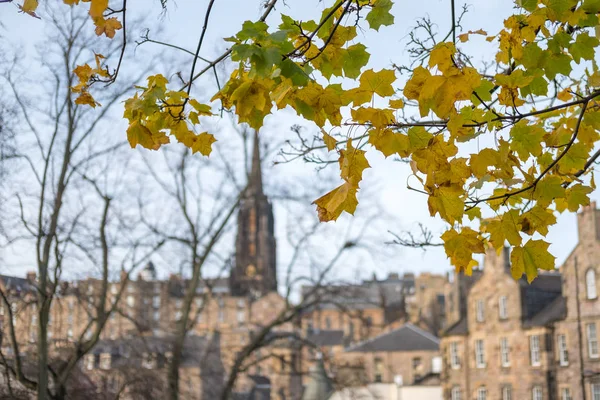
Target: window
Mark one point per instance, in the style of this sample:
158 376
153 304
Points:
590 284
454 359
130 301
13 308
502 307
416 363
178 316
199 302
241 315
113 289
534 350
595 391
156 301
327 323
156 315
592 337
455 393
90 360
221 315
563 351
178 303
504 352
479 354
378 378
506 393
2 309
482 393
536 393
105 359
565 394
480 312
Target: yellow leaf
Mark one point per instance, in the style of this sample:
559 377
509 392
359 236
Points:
448 202
29 6
441 56
86 98
505 227
107 27
530 258
203 143
396 104
331 205
389 142
330 142
460 248
97 8
139 134
564 95
352 164
378 82
537 220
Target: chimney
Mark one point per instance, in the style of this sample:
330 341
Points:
31 276
497 260
588 222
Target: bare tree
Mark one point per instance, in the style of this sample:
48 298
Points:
65 211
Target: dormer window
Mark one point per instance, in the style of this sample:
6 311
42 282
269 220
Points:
105 360
590 284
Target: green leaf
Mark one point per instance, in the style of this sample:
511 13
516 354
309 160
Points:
526 139
548 189
583 47
575 159
355 58
531 258
380 14
578 196
558 64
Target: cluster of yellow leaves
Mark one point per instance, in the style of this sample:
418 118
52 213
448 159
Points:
86 76
534 169
156 112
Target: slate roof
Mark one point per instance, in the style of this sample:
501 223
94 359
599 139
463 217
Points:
406 338
368 294
326 337
555 311
17 284
536 296
460 328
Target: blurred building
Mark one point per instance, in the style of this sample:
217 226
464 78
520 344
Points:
357 327
511 340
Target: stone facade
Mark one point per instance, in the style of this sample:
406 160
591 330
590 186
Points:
513 340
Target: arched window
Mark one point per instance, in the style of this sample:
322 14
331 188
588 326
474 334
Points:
590 284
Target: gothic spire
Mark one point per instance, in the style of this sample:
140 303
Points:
255 179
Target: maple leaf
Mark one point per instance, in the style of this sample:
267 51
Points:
548 189
139 134
505 227
29 7
107 27
352 164
460 248
378 82
332 204
441 56
329 140
97 8
538 219
531 258
203 143
85 98
389 142
448 201
380 14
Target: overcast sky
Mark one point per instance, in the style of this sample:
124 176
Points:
386 181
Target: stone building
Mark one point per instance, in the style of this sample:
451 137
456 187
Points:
539 341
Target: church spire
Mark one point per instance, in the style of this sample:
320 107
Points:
255 178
